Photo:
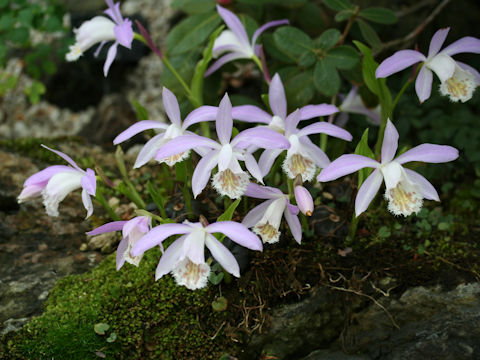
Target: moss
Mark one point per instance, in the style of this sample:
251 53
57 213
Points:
149 318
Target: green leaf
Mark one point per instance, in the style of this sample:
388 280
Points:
184 64
364 150
49 67
157 198
197 80
379 15
6 22
34 91
191 32
193 6
112 337
141 112
384 232
7 82
307 59
228 214
343 57
344 15
338 5
25 16
4 3
292 40
181 172
120 161
326 78
328 39
369 34
52 24
272 49
299 88
101 328
19 35
220 304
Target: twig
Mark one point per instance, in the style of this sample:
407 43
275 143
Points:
369 297
405 41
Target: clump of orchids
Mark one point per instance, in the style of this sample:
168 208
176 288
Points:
237 163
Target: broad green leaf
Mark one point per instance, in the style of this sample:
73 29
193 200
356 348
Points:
343 57
338 5
184 64
363 149
49 67
19 35
6 22
312 17
369 34
34 91
4 3
101 328
197 81
141 112
299 88
307 59
52 24
181 172
191 32
7 82
25 16
344 15
326 78
228 214
193 6
292 40
379 15
328 39
272 49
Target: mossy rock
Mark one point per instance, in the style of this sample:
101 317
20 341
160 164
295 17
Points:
149 319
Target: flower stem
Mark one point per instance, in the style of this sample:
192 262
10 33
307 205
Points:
405 86
103 202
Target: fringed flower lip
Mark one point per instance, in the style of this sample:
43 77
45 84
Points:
405 188
185 257
101 30
231 180
55 182
458 80
234 42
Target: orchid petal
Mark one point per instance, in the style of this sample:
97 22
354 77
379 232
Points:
264 27
170 103
311 111
225 157
114 11
42 177
136 222
291 122
148 150
267 159
367 191
442 65
155 237
325 128
183 143
466 44
203 113
346 164
194 246
89 182
202 172
430 153
170 257
398 61
427 189
224 122
222 255
234 24
437 41
321 159
137 128
64 157
293 224
390 142
223 60
255 215
250 113
124 33
276 97
108 227
253 168
87 203
112 52
238 233
474 72
423 84
262 192
262 137
120 256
